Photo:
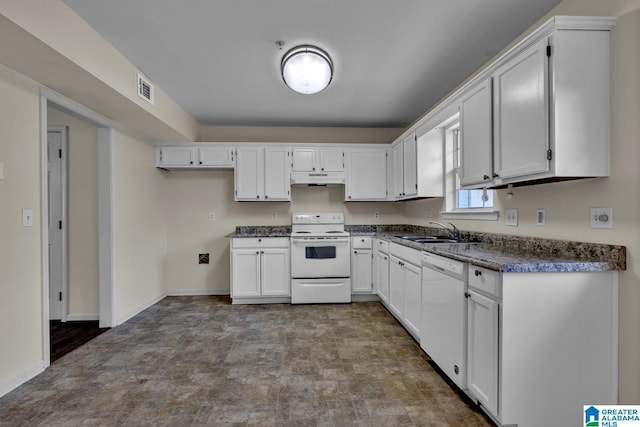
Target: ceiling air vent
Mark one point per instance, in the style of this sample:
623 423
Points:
145 89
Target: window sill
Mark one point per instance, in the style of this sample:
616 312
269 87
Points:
472 214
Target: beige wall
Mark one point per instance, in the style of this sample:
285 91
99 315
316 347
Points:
140 230
316 135
82 227
568 204
20 268
193 195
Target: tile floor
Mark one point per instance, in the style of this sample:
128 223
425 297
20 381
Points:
201 361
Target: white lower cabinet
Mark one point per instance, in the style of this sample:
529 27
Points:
405 287
482 348
260 270
541 340
381 274
361 265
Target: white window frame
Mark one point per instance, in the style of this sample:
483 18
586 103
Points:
451 211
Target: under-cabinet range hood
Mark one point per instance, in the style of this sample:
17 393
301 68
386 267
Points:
317 178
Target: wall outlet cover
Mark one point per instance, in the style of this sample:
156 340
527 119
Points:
541 217
212 216
602 218
376 215
511 217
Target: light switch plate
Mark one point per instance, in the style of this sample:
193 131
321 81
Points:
1 171
27 217
511 217
601 218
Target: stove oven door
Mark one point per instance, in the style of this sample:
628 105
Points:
318 257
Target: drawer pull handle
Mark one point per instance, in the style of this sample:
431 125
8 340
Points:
467 294
478 273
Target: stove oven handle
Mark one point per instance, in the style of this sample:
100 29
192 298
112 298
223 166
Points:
306 240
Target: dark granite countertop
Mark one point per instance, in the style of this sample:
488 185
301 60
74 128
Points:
499 252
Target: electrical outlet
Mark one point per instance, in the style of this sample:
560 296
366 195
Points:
376 215
274 215
511 217
428 215
601 218
541 217
212 216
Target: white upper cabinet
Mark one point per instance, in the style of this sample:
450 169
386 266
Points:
178 156
418 166
549 115
219 157
315 159
211 156
410 165
476 135
262 174
521 114
366 174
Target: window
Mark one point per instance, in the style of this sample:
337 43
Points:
461 203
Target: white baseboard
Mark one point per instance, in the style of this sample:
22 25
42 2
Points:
189 292
21 379
140 309
82 317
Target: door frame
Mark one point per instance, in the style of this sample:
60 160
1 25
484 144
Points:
106 287
64 248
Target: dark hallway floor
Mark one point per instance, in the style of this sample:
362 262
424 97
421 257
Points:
67 336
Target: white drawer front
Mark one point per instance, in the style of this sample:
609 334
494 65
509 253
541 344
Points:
260 242
361 242
484 280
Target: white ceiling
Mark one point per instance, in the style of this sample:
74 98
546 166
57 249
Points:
393 59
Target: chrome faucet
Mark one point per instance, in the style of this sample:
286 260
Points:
450 228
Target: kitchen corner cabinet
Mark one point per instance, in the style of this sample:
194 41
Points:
541 340
263 174
260 270
366 174
550 109
210 156
418 166
315 159
361 265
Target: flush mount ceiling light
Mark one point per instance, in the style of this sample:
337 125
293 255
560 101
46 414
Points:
306 69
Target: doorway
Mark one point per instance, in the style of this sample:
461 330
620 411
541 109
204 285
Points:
54 250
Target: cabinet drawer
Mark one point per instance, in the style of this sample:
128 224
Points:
260 242
484 280
361 242
382 246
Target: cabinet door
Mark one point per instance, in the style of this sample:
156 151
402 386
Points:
367 175
382 276
249 174
412 297
275 272
396 286
361 260
304 160
476 138
398 172
482 347
331 159
245 273
277 176
221 157
177 156
521 131
410 165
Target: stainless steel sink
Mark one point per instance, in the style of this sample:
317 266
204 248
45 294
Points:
427 239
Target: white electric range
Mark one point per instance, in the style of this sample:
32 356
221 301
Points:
320 258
